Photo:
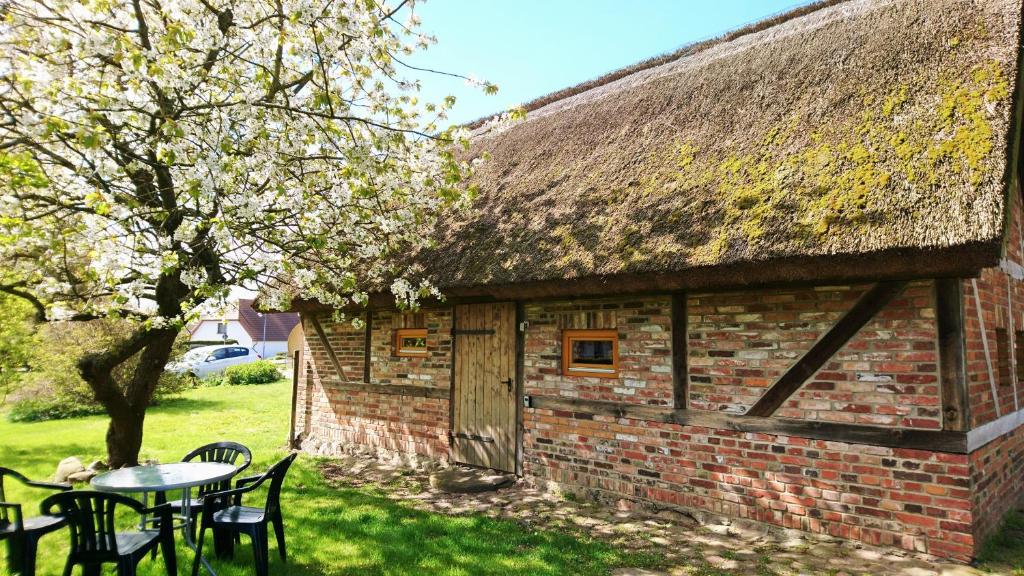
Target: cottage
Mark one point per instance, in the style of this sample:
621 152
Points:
776 276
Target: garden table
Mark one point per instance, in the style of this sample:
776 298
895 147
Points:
165 477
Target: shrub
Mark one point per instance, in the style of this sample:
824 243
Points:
259 372
52 388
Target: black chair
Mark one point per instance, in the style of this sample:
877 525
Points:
22 534
224 511
222 452
95 539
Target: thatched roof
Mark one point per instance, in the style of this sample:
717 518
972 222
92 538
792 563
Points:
872 131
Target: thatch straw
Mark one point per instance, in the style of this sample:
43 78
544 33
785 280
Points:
856 128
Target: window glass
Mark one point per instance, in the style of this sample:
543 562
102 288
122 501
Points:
220 353
590 353
222 328
411 342
239 352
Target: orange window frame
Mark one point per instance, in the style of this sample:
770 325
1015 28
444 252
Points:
570 368
406 333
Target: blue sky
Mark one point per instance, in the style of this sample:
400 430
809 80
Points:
533 47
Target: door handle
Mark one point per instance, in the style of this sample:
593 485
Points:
508 382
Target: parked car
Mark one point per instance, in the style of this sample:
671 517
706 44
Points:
209 360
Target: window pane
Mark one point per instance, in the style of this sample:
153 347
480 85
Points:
597 352
413 342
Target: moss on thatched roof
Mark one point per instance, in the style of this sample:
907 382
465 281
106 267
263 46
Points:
859 128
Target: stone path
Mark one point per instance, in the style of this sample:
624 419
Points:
691 549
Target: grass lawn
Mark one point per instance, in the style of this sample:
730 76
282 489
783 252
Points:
329 530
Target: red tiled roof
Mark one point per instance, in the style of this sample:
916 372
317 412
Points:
279 324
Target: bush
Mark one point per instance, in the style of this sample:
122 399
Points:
259 372
52 388
37 409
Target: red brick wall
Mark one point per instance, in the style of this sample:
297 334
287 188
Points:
433 371
331 418
912 499
739 343
997 473
997 469
645 349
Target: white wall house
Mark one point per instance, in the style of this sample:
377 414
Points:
267 334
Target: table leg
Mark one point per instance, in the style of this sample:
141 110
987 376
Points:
145 504
186 529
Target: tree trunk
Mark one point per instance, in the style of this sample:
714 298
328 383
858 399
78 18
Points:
124 438
126 403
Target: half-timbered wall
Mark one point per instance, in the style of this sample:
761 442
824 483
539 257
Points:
740 343
645 349
335 412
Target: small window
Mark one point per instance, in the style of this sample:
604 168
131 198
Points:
590 353
222 328
1018 344
411 342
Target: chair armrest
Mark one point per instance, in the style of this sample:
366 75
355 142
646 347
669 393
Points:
247 480
48 485
16 512
247 485
164 513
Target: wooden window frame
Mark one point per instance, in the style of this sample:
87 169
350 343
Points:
403 333
589 370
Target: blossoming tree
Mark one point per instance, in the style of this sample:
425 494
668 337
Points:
155 153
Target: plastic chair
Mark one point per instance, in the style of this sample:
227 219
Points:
222 452
95 539
224 511
22 534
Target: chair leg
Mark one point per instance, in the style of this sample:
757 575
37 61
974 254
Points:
91 570
28 558
168 551
126 566
69 565
259 549
199 550
223 542
279 533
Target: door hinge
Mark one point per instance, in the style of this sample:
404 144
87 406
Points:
524 325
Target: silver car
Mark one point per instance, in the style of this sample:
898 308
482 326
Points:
209 360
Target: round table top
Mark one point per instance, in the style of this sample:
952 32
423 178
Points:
162 477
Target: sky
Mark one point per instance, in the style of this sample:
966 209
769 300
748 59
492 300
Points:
533 47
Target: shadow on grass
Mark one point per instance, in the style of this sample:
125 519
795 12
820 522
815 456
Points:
362 531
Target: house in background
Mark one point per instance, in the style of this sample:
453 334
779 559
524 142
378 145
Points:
776 276
267 334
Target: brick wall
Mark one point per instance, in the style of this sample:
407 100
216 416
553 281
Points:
912 499
645 349
997 468
331 418
433 371
739 343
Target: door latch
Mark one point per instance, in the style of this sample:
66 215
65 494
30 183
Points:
508 382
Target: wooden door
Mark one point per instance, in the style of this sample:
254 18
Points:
484 396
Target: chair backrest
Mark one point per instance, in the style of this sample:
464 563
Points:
224 453
90 516
276 475
5 518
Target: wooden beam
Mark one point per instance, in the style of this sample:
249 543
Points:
679 335
296 366
935 440
949 317
327 347
389 389
831 342
367 346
